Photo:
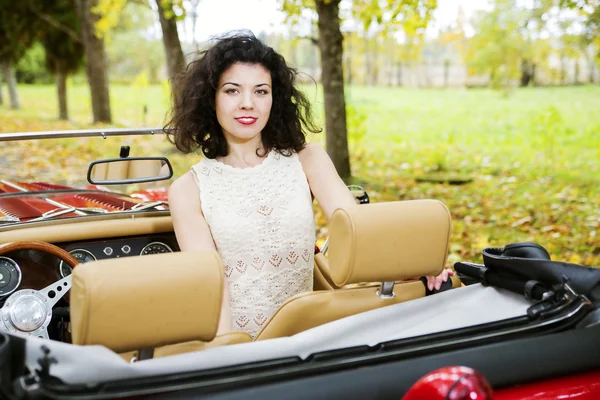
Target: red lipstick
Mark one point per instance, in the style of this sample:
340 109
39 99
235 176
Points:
246 120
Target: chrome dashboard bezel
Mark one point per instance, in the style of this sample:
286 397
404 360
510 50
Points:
18 268
60 265
152 243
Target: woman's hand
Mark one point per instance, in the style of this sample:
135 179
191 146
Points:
435 282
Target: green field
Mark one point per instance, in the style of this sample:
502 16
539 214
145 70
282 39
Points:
523 167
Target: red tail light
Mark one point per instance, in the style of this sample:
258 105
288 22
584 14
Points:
451 383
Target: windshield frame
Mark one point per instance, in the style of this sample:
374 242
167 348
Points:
104 133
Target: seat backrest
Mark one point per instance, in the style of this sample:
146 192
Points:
308 310
383 242
147 302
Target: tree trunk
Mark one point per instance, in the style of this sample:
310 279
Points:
563 70
61 87
173 51
96 64
577 72
526 72
349 55
399 74
446 73
367 61
11 84
375 63
331 47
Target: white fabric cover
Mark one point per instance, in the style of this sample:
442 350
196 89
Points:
458 308
262 222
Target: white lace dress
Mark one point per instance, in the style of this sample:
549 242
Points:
261 220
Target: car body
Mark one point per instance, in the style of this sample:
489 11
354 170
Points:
418 348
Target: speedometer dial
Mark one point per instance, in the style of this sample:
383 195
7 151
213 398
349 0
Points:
81 255
155 248
10 276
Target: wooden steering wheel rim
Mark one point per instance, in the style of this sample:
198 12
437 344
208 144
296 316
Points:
42 246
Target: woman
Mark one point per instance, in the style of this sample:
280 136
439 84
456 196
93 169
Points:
250 196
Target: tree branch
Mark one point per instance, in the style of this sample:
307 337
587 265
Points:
141 3
49 19
312 39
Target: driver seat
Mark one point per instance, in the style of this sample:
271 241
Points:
150 306
382 242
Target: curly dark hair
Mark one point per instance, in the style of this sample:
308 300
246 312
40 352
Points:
193 121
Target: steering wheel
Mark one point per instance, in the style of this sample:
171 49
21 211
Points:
30 311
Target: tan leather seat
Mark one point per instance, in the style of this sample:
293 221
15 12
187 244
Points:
170 303
322 274
383 242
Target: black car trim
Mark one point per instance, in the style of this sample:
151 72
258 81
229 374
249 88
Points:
261 373
504 364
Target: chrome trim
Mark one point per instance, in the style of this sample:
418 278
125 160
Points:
386 291
57 212
62 205
13 185
18 268
60 288
145 205
7 317
60 265
104 133
150 244
325 246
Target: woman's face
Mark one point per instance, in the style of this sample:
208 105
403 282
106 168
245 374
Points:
243 101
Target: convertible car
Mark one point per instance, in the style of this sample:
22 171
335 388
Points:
98 302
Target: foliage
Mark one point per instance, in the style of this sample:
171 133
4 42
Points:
31 68
117 13
63 52
109 12
135 47
534 159
495 48
18 29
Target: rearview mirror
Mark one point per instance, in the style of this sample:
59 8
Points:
118 171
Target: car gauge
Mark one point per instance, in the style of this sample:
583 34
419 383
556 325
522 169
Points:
10 276
81 255
155 248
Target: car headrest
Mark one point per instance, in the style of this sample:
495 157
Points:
390 241
146 302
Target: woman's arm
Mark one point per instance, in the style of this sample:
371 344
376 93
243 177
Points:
325 183
192 231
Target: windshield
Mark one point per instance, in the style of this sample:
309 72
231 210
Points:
44 179
65 161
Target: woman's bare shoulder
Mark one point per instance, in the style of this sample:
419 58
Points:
183 185
310 150
312 154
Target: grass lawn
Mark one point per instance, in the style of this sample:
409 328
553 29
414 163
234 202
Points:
528 164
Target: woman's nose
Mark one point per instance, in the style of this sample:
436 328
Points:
246 101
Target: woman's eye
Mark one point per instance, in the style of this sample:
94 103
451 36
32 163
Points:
262 91
230 91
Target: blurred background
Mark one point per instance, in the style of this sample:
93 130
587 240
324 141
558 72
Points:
492 107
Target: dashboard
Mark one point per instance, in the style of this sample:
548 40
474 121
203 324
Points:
33 269
117 248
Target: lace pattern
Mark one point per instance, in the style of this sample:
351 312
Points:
262 223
